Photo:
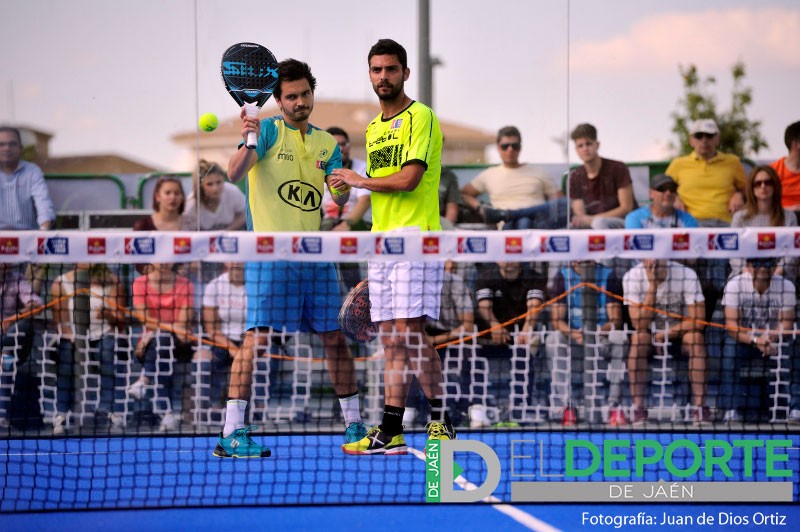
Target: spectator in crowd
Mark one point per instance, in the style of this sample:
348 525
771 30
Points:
450 199
224 318
710 183
580 348
759 316
601 191
17 298
164 301
349 216
657 292
24 199
221 205
661 213
710 188
788 168
106 301
514 185
505 291
169 203
457 312
763 207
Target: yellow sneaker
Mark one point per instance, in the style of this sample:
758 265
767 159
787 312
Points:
377 442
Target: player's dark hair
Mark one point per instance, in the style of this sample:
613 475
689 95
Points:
792 134
389 47
15 131
584 131
293 70
508 131
335 130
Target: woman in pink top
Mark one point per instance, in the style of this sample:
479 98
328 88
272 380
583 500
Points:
164 301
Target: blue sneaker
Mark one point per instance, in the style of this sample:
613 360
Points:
240 445
355 432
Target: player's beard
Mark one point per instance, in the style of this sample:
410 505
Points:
299 114
392 94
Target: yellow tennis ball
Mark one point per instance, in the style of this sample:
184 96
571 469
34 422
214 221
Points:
208 122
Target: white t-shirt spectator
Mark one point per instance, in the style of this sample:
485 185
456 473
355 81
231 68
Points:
675 294
761 311
231 204
231 304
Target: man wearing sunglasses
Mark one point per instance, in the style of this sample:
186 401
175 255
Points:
661 213
710 183
711 188
759 318
513 186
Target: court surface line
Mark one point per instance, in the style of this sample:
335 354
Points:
523 518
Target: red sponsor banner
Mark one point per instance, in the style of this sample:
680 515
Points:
513 244
430 245
182 245
680 242
265 244
348 245
597 243
767 241
9 245
96 246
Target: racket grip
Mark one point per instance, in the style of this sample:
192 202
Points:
251 110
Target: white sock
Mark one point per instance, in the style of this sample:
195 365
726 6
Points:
234 416
351 409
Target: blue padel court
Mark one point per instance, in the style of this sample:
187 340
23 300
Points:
152 472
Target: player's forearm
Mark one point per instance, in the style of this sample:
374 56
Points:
241 163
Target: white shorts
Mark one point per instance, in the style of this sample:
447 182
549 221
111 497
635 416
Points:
399 290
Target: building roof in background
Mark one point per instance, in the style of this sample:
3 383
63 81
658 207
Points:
94 164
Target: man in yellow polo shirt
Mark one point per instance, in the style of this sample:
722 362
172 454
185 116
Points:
711 188
710 183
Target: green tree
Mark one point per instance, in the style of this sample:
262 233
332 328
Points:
738 133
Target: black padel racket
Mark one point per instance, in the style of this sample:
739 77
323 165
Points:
354 317
250 74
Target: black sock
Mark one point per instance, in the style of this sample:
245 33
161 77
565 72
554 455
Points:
392 423
438 412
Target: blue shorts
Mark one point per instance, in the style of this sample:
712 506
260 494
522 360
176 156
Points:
292 296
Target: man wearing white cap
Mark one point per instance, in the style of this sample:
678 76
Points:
710 183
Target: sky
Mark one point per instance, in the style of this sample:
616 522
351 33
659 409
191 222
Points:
110 76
